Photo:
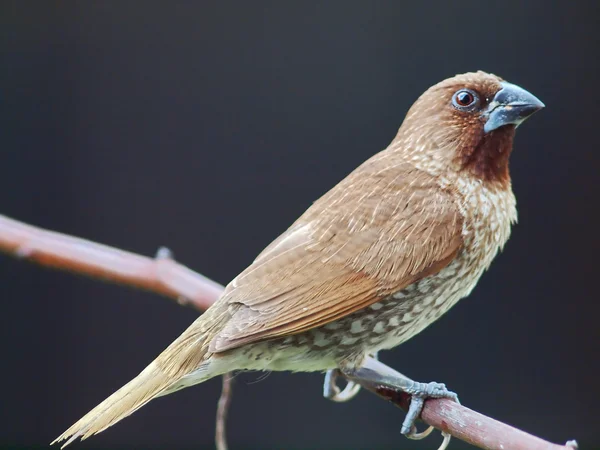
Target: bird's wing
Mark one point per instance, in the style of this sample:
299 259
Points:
379 230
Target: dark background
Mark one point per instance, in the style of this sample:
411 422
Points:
209 127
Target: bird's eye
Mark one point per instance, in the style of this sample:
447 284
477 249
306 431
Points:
465 100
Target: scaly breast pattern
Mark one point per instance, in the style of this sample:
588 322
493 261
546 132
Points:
488 216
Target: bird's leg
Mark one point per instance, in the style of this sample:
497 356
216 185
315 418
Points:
331 391
376 374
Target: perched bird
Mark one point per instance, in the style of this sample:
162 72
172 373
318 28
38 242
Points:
370 264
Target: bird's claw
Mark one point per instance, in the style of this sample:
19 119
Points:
446 441
331 391
415 435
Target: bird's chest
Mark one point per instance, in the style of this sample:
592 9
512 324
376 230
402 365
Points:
488 216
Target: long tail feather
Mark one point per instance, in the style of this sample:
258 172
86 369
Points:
182 364
135 394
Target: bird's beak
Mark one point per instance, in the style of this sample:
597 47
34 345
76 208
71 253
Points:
511 105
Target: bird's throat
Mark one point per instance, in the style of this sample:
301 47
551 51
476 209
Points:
490 158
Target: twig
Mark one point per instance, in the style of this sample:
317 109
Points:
166 277
222 409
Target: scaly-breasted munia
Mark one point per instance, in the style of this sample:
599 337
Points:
371 263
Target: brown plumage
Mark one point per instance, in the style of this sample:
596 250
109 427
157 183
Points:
371 263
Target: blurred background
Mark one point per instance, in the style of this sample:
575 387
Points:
209 127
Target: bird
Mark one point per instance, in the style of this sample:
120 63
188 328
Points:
370 264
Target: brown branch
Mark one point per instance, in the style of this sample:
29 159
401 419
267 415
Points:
160 275
164 276
470 426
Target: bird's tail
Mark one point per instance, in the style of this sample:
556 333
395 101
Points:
135 394
188 354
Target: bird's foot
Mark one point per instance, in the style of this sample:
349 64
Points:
376 374
419 392
331 390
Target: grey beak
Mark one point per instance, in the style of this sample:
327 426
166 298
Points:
511 105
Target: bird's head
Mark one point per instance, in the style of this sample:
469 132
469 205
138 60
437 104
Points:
467 123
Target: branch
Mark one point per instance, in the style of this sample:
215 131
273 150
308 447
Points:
160 275
470 426
164 276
